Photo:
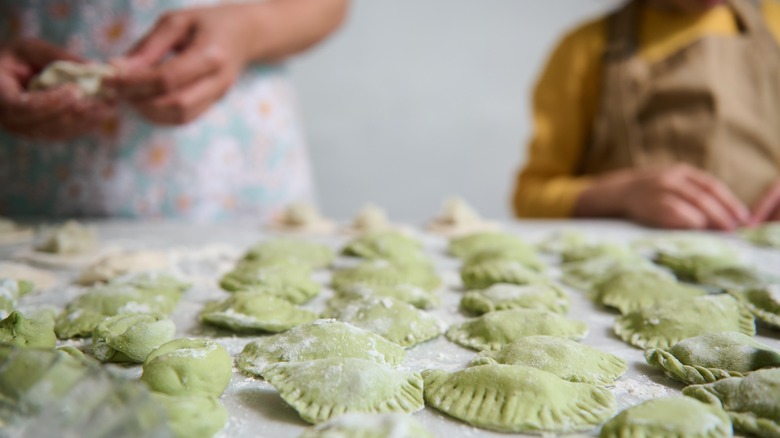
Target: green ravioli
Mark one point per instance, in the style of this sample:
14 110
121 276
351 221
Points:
518 399
751 402
291 251
247 312
326 338
669 322
681 417
542 296
494 330
326 388
563 357
713 356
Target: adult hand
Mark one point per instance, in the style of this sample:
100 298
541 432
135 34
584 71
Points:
768 208
186 63
56 114
680 196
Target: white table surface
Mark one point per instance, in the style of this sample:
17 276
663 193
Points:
202 253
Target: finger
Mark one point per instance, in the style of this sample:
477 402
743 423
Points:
680 214
736 209
36 107
85 119
186 105
39 53
718 216
198 61
767 205
169 32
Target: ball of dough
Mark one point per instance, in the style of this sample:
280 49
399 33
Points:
188 367
130 337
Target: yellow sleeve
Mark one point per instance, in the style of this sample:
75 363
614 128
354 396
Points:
565 102
771 10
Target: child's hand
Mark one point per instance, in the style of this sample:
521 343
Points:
56 114
768 208
186 63
680 196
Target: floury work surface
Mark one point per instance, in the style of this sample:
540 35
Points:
202 253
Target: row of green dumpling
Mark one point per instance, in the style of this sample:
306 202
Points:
728 370
492 257
178 394
718 267
391 265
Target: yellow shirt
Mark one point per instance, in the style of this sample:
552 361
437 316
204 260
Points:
566 99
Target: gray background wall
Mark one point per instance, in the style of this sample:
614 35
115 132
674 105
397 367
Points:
416 100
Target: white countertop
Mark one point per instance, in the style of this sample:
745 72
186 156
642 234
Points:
203 252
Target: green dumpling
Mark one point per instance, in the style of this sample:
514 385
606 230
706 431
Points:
518 399
669 322
326 388
283 280
248 312
767 235
192 416
585 275
632 290
136 294
762 302
687 267
595 250
408 293
562 241
369 426
686 244
711 357
385 245
520 255
30 377
321 339
291 251
466 246
385 274
484 275
681 417
130 337
752 402
542 296
565 358
10 292
394 320
732 277
188 367
494 330
37 331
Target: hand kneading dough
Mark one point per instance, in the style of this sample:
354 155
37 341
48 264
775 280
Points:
87 77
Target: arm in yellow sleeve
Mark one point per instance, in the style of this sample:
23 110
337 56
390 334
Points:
564 104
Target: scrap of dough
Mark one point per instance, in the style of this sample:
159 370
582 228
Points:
369 219
121 263
70 238
12 233
16 271
87 77
458 218
68 246
302 217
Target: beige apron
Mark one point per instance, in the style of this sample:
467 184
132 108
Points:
714 104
